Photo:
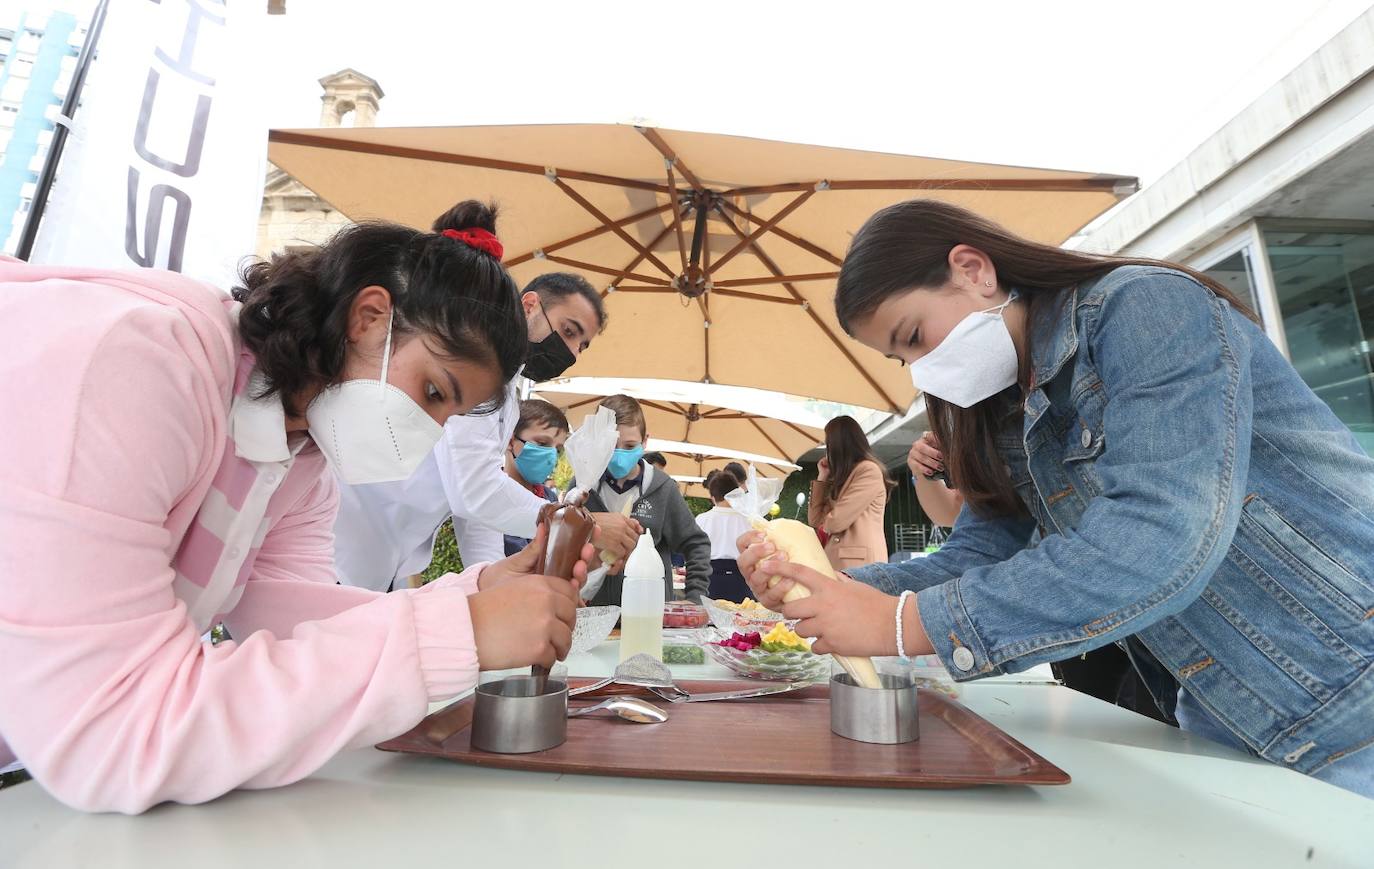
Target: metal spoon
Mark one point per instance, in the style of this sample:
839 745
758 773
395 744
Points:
629 708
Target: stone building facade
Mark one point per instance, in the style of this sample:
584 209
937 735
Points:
292 215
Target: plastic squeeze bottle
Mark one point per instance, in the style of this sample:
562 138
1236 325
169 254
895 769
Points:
641 602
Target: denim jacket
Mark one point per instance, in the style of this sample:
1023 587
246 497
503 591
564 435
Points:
1193 496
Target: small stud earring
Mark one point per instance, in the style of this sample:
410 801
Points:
988 283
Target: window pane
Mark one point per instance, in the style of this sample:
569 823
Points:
1325 285
1235 274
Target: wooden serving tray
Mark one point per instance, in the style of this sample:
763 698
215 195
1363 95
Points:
781 739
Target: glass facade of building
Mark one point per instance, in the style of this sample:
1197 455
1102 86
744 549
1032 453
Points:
1313 282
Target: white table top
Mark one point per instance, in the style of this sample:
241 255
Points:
1143 794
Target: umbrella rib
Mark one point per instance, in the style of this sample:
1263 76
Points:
287 137
677 214
782 452
656 406
606 270
767 225
773 267
662 147
758 297
795 279
809 247
583 236
626 272
799 430
1108 184
624 236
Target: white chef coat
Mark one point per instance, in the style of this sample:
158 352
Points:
385 531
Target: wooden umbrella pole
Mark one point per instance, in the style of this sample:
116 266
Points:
704 301
705 309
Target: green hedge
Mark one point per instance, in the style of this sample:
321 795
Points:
446 558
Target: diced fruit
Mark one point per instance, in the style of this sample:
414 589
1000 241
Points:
684 615
782 639
743 642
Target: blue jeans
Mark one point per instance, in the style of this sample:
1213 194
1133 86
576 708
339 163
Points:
1354 772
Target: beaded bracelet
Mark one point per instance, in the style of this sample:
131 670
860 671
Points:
901 641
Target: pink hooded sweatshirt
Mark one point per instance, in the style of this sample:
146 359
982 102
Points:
139 505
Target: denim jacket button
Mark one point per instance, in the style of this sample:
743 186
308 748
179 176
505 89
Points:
963 658
1087 438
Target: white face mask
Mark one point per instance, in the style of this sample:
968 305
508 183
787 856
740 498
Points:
976 360
371 431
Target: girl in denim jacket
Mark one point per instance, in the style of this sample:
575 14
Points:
1195 502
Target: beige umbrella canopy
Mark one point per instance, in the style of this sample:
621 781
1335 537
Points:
717 254
689 463
707 425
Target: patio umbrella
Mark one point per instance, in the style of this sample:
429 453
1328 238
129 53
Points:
707 427
717 254
690 463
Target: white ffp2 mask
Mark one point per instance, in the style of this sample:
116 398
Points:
371 431
976 360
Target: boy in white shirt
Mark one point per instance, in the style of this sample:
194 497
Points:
724 526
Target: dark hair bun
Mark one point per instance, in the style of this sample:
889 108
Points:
468 214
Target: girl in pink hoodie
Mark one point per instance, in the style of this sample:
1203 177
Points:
164 470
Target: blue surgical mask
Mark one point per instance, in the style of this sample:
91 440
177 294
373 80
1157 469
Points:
624 461
536 462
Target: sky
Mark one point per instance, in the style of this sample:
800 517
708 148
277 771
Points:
1108 86
1127 88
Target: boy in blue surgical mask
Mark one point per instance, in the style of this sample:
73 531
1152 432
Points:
649 496
532 454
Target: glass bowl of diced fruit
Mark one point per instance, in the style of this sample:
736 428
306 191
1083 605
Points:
745 617
682 614
778 655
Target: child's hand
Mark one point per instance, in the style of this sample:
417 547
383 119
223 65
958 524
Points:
847 617
754 548
526 562
925 458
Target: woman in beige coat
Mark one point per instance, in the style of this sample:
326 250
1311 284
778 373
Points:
849 496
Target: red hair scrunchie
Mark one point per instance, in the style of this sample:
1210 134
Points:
478 239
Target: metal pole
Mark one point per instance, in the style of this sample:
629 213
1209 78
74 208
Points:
59 138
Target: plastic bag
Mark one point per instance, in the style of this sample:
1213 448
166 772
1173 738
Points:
589 450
